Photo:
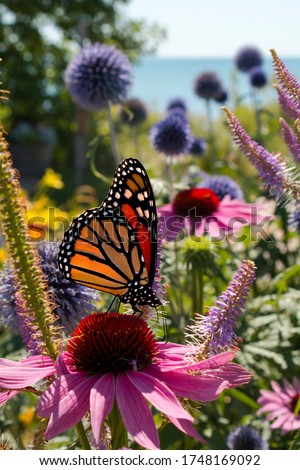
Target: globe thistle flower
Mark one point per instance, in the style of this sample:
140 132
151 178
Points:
71 300
222 186
247 58
198 147
257 77
177 104
171 136
133 113
131 371
207 85
98 74
215 330
294 219
245 438
282 405
222 97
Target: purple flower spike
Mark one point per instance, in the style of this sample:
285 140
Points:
270 167
287 105
291 139
216 329
287 81
98 74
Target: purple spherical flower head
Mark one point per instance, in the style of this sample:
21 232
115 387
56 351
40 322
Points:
222 186
248 57
71 301
258 77
134 112
177 104
198 147
207 85
171 136
245 438
97 75
222 97
294 219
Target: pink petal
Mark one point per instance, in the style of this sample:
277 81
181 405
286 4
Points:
71 409
5 396
56 392
135 413
16 375
189 386
102 399
187 427
158 394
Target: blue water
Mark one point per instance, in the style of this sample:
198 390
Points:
157 80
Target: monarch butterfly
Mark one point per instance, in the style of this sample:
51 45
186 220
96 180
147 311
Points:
113 247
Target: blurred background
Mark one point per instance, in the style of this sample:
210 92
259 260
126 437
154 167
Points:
169 43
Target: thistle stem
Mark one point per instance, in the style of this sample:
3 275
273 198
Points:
113 138
171 178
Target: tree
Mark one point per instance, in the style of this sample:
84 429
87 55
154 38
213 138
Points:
37 40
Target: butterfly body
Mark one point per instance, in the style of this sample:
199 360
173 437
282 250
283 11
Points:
113 247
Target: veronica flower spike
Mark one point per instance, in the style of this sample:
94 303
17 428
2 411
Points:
277 176
198 211
215 330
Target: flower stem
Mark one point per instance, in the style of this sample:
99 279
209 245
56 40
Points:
171 177
113 138
257 112
82 436
119 435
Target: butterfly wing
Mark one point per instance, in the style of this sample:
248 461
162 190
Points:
113 247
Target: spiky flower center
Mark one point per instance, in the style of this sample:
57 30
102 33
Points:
111 342
196 201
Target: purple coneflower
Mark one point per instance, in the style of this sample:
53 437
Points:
245 438
199 211
282 405
128 371
247 58
97 75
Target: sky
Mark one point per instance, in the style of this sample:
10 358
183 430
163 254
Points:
218 28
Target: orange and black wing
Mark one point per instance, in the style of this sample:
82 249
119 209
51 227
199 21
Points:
113 247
